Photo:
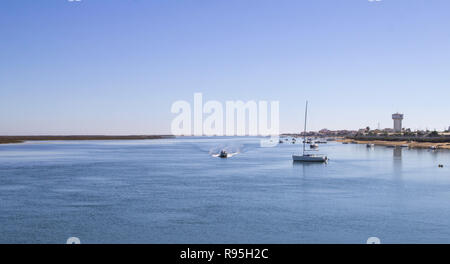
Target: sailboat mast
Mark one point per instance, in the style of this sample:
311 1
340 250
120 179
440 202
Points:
304 132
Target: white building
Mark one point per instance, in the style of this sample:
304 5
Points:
397 117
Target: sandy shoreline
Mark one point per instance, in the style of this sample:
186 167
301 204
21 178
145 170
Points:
410 144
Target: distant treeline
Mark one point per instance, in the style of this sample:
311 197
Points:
440 139
19 139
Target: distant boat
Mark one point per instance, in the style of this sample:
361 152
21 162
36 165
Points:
223 154
305 157
313 146
405 146
370 145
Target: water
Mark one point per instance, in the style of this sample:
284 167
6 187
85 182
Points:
176 191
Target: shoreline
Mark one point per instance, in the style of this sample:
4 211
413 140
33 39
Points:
410 144
21 139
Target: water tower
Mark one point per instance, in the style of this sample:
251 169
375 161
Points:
397 117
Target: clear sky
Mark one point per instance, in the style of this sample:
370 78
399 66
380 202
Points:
116 66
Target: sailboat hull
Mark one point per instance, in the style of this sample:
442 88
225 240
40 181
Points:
309 158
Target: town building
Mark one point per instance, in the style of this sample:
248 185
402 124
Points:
397 117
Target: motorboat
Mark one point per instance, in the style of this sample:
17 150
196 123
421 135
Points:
223 154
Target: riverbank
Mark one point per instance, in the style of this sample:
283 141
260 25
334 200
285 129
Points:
409 144
21 139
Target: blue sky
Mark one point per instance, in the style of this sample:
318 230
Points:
116 66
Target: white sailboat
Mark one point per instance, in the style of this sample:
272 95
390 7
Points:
307 157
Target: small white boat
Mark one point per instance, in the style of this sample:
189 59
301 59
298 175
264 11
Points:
433 147
405 146
370 145
306 157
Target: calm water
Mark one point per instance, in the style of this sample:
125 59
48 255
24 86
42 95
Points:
174 191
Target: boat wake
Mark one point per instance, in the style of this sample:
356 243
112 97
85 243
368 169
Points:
229 155
230 148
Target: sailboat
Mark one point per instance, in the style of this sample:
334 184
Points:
307 157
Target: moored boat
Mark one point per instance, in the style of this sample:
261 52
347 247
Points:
306 157
310 158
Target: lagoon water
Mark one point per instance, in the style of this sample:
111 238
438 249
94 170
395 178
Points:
175 191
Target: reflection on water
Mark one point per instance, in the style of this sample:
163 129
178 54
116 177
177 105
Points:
397 166
173 191
397 153
308 168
